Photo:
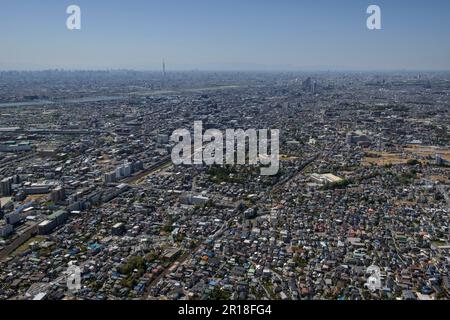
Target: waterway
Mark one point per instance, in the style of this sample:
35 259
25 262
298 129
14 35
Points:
109 98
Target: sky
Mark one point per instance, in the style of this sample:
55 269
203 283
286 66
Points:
225 35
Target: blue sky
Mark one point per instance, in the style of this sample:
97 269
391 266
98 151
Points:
230 35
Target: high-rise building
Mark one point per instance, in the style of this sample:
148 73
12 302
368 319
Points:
307 84
350 138
58 194
123 171
164 68
13 218
127 169
6 187
110 177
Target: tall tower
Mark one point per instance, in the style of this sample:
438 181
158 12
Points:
163 82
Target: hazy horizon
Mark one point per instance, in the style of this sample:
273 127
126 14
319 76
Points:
228 35
249 70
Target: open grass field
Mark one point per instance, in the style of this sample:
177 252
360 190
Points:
384 158
24 247
425 151
411 152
